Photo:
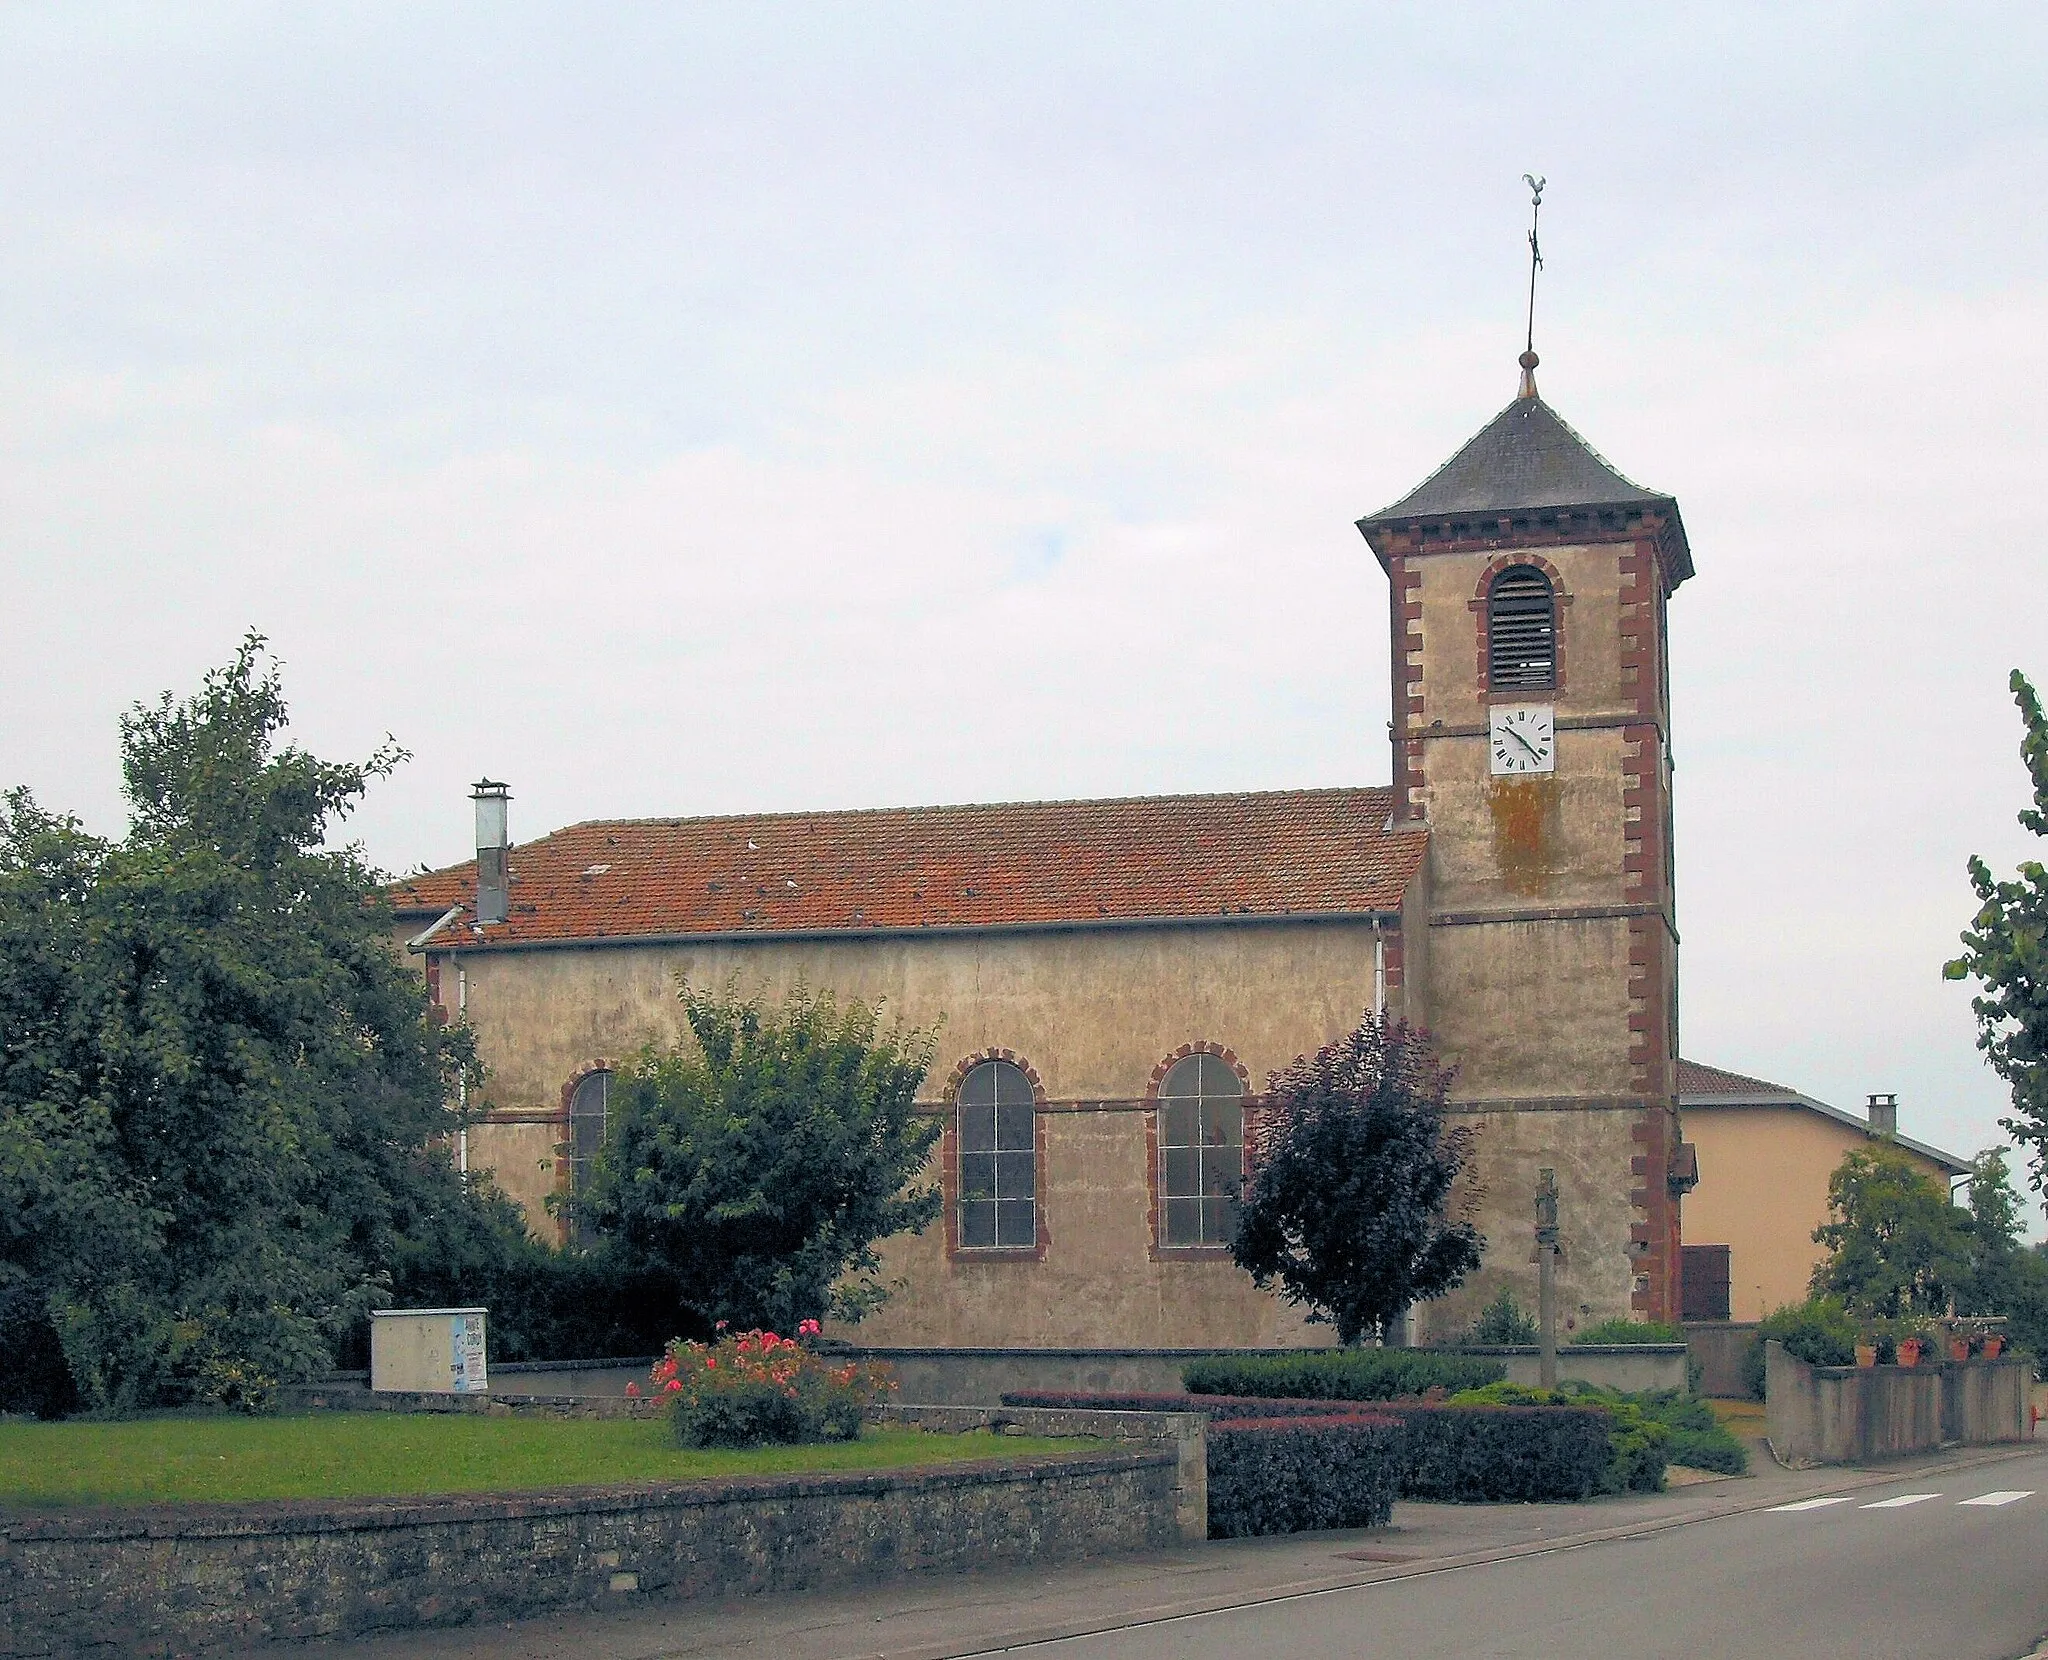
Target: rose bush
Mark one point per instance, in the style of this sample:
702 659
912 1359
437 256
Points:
749 1388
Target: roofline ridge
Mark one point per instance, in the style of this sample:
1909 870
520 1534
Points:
939 807
1591 450
1444 465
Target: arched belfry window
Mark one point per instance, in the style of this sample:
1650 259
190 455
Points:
1521 631
587 1108
1201 1152
998 1149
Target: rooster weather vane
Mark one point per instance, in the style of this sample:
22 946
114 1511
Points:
1535 184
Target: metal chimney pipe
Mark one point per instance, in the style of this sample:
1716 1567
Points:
493 843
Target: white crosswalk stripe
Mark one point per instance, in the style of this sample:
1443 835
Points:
2001 1497
1814 1504
1901 1501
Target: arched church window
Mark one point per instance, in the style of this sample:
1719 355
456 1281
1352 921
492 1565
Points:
1521 631
1201 1152
997 1131
587 1109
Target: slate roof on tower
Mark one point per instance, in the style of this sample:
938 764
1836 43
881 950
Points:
1265 856
1526 460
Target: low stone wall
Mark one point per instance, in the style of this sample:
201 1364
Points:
978 1377
1853 1414
1718 1348
177 1580
1628 1367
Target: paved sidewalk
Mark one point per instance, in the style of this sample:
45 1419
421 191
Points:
934 1616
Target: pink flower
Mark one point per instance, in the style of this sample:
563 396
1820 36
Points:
710 1365
807 1328
675 1384
632 1389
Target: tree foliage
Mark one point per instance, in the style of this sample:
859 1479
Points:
762 1160
1896 1246
219 1089
1352 1177
2005 949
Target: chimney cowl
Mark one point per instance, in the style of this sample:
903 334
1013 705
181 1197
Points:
493 843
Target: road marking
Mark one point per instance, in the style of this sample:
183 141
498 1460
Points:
1902 1501
2000 1497
1815 1504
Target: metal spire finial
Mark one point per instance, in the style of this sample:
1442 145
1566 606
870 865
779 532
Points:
1528 358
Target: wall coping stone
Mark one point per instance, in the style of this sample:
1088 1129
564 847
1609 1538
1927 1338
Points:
259 1518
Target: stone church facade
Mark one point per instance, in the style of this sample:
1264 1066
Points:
1113 981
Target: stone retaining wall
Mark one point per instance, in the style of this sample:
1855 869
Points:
1852 1414
176 1580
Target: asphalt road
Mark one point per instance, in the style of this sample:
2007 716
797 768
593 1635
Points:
1961 1572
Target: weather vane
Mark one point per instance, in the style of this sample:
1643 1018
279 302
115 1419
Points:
1535 185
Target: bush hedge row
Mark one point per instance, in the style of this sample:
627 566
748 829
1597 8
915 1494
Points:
1297 1474
1339 1374
1466 1454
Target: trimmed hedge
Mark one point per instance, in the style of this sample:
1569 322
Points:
1505 1454
1340 1374
1463 1454
1298 1474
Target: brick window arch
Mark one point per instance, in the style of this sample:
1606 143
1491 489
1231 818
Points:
1521 603
993 1158
586 1111
1196 1134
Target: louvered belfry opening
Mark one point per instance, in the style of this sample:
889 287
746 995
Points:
1521 631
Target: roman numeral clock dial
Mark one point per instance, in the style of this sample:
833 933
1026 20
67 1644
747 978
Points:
1521 738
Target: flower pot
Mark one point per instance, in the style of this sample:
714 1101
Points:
1909 1351
1959 1348
1866 1354
1993 1347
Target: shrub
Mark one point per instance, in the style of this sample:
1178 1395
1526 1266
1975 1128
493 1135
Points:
1637 1445
1624 1330
1819 1331
1297 1474
1502 1324
1466 1454
1504 1454
1339 1374
755 1387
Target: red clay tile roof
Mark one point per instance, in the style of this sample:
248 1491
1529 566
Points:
1695 1079
1167 858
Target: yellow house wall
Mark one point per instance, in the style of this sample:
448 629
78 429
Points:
1093 1012
1763 1190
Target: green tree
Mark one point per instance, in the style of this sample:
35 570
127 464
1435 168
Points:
1896 1246
1352 1177
2005 949
220 1091
763 1160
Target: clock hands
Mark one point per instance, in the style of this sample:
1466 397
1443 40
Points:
1524 742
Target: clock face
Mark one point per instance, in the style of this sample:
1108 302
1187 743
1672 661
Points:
1522 737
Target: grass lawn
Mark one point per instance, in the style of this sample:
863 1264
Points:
382 1454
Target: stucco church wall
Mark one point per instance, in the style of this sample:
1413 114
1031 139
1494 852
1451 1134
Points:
1589 1148
1530 1010
1093 1013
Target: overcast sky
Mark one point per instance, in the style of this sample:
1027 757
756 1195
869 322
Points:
700 409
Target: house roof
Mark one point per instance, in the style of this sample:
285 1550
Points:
1704 1088
1525 460
1265 856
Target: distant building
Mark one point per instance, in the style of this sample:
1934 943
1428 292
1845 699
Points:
1116 979
1765 1155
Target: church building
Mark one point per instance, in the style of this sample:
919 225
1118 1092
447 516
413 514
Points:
1113 981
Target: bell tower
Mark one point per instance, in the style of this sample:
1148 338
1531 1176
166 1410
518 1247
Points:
1531 735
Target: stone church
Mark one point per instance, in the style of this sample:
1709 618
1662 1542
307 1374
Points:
1114 980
